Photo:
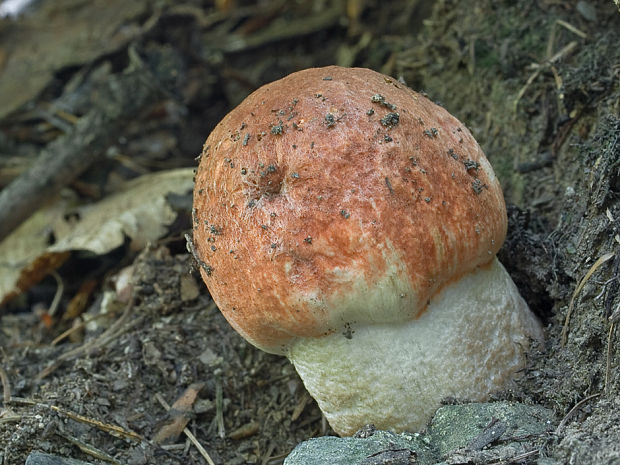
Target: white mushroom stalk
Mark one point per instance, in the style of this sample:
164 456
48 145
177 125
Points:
351 224
468 343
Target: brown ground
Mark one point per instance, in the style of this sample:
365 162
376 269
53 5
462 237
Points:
551 131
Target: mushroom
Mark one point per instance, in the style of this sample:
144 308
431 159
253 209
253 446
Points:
349 223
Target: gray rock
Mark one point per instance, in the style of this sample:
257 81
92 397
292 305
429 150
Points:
478 425
457 434
41 458
379 448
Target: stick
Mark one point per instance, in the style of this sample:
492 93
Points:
582 283
573 410
6 386
188 433
63 160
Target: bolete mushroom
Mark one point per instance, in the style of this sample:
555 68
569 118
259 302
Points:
349 223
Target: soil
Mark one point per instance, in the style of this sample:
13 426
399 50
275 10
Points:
537 82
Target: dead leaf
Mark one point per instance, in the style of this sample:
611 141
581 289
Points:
44 41
180 414
78 302
245 431
24 258
138 211
189 288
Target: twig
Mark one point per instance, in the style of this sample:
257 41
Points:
114 430
207 20
188 433
613 318
572 28
541 67
573 410
77 327
219 408
522 456
88 449
608 361
58 295
8 417
582 283
115 330
6 386
281 31
121 97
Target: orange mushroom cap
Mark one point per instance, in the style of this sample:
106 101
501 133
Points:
325 184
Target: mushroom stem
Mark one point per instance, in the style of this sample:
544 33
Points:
469 342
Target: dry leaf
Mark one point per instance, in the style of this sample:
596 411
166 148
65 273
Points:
189 288
180 414
24 259
139 211
44 41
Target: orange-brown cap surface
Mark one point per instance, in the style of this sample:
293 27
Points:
335 197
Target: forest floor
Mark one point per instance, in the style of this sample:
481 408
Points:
537 82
